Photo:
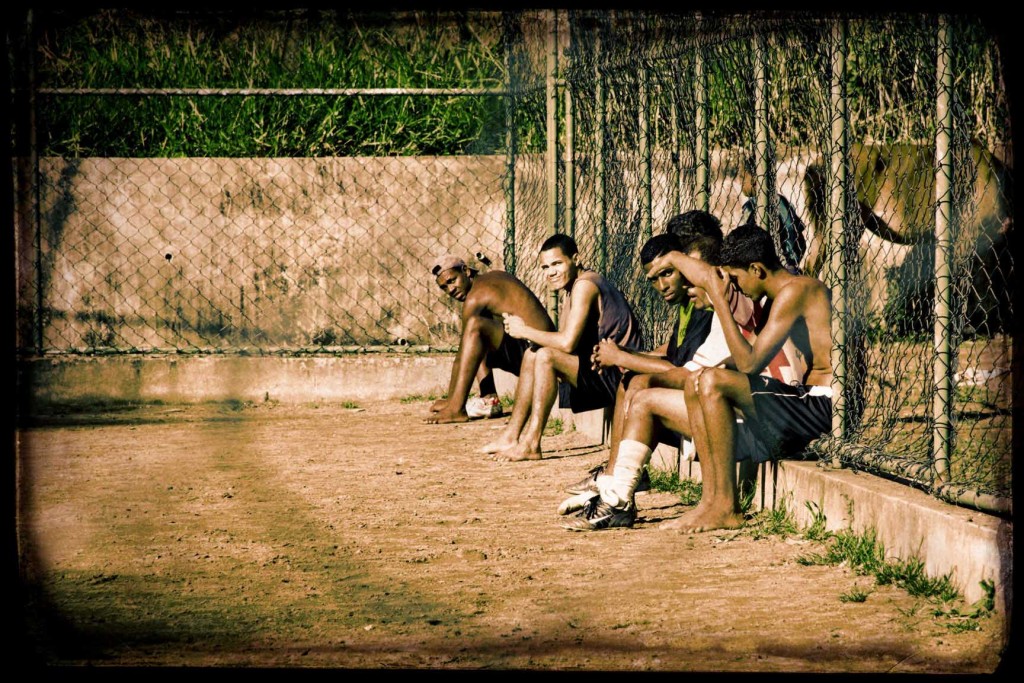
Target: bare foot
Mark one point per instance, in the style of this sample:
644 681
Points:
500 444
438 405
517 454
445 417
706 519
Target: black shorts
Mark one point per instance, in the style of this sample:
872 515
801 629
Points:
509 354
593 390
788 418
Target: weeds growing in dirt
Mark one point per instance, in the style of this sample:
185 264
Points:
855 594
861 552
419 398
554 427
688 490
866 556
968 621
772 522
816 531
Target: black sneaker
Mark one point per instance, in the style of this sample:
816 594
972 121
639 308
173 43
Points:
645 482
597 515
589 483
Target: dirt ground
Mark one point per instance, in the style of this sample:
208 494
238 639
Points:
321 536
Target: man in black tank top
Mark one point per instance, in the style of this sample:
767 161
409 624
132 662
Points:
592 309
698 233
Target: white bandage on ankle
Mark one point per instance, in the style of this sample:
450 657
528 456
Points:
629 463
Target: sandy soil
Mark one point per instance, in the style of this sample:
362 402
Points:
320 536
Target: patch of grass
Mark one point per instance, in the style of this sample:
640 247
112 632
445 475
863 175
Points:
91 406
554 427
911 577
747 489
816 531
964 626
866 556
772 522
861 552
351 405
420 398
689 490
961 621
855 594
507 401
233 404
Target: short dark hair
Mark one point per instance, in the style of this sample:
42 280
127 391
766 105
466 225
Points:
659 245
694 223
710 248
698 230
749 243
563 242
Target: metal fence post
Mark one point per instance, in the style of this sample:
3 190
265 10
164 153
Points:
645 154
551 153
762 133
838 233
601 178
646 178
569 216
509 242
677 157
700 93
943 256
28 247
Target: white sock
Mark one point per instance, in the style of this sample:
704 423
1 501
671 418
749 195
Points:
604 480
629 464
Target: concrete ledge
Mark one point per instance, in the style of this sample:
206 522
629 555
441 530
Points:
971 546
189 379
968 545
309 379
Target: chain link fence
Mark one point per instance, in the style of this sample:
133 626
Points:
204 182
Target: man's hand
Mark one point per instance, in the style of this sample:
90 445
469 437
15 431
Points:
718 286
606 354
514 326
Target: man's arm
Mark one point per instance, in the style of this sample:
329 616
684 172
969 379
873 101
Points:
787 307
582 298
608 354
696 271
474 305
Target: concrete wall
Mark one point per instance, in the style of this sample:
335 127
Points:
264 253
290 253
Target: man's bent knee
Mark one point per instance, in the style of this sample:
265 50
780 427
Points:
545 355
642 402
636 384
711 383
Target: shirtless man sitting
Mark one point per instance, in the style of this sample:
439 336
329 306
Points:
781 418
699 233
658 413
484 345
